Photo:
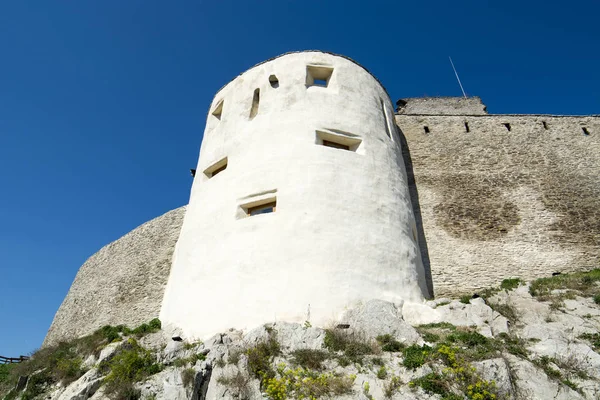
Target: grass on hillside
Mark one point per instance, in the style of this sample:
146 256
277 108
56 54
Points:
63 363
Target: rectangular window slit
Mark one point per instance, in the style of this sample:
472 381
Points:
335 145
347 142
386 120
426 129
255 101
318 75
545 124
218 111
467 127
216 168
507 125
262 209
585 131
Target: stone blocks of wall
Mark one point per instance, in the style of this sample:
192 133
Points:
504 195
441 106
123 283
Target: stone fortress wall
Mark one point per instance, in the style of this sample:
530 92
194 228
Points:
123 283
500 196
489 202
309 136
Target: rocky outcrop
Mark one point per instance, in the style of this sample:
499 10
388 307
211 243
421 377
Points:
507 343
123 283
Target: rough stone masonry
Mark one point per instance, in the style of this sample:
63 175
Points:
494 196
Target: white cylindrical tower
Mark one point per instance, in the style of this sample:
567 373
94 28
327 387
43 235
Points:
300 205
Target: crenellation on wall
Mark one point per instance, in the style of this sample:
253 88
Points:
495 203
441 106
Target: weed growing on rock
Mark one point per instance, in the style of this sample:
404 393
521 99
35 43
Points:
593 338
389 343
465 299
309 358
300 383
415 356
60 363
182 362
545 364
391 387
261 355
511 283
238 383
583 282
382 372
354 346
188 376
234 356
131 364
432 383
507 310
438 325
513 345
430 337
571 384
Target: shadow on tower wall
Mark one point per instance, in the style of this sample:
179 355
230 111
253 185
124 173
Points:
414 198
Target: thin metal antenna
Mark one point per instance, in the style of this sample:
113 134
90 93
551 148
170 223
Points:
457 78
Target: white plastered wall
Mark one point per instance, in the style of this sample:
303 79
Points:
342 231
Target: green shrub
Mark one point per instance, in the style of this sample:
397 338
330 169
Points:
465 299
594 338
389 343
5 372
300 383
131 364
260 357
415 356
469 338
432 383
354 346
309 358
510 283
584 282
391 387
155 324
382 373
430 337
597 298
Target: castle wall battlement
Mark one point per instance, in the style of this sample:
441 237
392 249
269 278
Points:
441 106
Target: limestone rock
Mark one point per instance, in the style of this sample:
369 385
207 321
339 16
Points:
291 336
83 388
496 370
377 317
166 385
534 384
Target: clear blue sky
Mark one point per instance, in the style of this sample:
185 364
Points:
102 103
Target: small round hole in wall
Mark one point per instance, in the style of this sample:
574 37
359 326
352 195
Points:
274 81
